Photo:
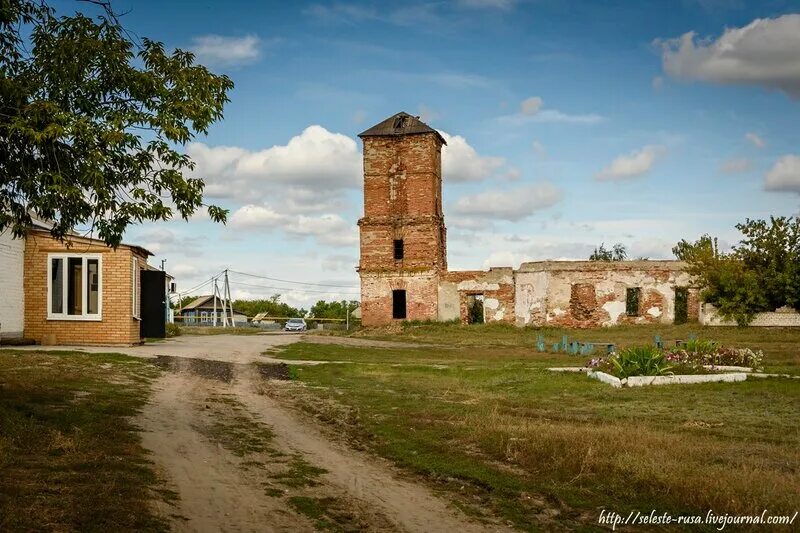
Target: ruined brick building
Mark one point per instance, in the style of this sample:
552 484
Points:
403 263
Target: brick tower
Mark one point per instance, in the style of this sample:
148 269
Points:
403 250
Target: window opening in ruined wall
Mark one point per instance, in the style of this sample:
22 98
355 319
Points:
632 301
399 249
681 305
582 301
399 304
475 309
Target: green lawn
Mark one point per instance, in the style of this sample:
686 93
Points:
70 456
481 418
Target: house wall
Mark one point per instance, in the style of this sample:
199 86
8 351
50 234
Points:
117 326
12 294
590 294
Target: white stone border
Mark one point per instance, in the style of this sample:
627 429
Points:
683 379
642 381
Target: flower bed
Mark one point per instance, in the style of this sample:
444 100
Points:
695 357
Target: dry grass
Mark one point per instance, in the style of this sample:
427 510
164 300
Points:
545 450
780 345
70 458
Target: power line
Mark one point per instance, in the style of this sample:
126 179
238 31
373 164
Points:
297 282
206 282
240 283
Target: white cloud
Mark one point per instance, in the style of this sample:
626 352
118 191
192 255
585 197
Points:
426 114
757 141
328 229
532 110
735 165
764 53
658 82
462 163
531 106
630 166
161 240
313 166
359 116
538 149
487 4
511 204
218 50
785 175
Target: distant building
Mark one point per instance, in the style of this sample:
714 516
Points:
201 312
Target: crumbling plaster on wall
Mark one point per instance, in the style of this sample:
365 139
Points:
496 285
545 293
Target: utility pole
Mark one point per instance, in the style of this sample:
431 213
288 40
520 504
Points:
214 297
347 315
228 297
163 262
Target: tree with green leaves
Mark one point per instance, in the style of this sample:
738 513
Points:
761 273
616 253
92 120
273 306
323 309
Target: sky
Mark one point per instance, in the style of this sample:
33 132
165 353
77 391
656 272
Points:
569 124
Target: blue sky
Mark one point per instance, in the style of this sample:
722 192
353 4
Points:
569 124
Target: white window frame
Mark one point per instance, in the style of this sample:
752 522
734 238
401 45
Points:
136 302
65 257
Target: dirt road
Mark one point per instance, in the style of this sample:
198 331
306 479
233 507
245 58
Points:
239 461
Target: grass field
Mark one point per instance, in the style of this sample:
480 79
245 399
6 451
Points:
70 457
478 415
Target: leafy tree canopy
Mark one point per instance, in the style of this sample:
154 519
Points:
323 309
90 118
616 253
761 273
272 306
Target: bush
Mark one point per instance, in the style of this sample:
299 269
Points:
173 330
639 361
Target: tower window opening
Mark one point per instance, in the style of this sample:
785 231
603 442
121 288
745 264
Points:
399 249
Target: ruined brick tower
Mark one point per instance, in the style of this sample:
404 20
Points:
403 250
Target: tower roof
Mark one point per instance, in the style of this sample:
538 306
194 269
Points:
400 124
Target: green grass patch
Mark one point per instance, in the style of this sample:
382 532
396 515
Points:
499 431
70 456
299 473
327 513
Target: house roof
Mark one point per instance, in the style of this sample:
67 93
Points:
206 302
43 228
400 124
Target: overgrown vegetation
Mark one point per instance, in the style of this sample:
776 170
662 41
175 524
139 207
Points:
173 330
501 434
70 456
761 273
615 253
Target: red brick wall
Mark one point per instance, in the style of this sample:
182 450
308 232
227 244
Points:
117 326
402 200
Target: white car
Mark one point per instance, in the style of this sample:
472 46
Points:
295 324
